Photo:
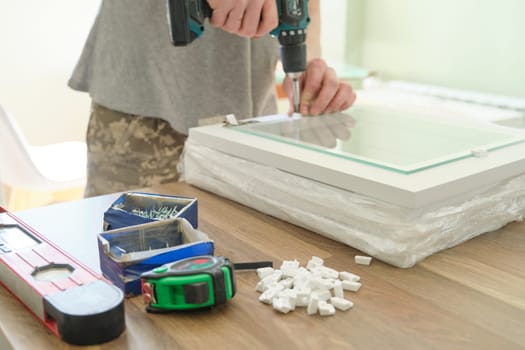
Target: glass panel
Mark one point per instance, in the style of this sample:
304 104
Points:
388 139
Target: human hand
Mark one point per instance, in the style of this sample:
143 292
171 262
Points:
247 18
321 91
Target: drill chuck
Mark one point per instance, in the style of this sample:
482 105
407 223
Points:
293 57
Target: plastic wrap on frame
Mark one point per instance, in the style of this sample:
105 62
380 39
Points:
396 235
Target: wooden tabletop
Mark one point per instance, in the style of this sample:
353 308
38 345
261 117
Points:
468 297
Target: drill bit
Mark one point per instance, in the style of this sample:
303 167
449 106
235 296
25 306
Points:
296 90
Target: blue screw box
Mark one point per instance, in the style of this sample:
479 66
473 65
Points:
127 252
133 208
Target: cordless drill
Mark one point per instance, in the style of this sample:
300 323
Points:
186 23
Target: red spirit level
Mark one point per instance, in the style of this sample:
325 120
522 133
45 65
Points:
75 303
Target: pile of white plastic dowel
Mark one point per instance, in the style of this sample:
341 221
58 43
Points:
318 288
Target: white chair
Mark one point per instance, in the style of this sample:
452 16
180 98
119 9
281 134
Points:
31 172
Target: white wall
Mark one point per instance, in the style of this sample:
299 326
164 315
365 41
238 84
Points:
333 30
468 44
40 41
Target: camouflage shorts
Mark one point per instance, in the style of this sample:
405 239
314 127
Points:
127 152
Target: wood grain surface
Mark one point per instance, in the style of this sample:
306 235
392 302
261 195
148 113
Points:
468 297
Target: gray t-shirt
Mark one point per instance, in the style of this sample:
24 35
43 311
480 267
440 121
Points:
129 64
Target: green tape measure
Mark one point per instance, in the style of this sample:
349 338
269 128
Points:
191 283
